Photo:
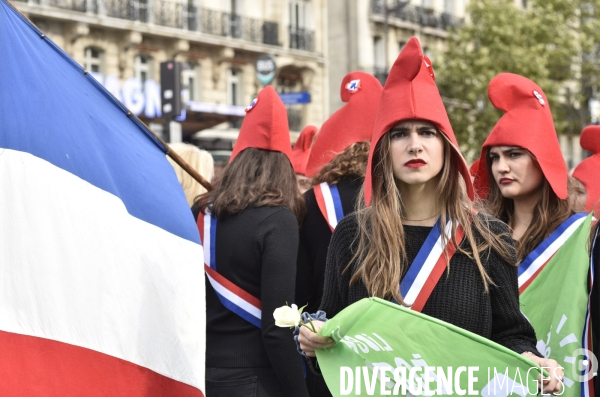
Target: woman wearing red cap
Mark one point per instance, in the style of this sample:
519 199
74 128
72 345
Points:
587 174
300 153
523 180
249 230
337 165
587 171
417 186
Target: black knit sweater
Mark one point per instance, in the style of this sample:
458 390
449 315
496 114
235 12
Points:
459 298
315 235
256 250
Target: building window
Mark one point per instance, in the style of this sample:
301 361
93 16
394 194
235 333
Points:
301 35
401 45
379 69
449 7
234 87
93 60
142 67
190 80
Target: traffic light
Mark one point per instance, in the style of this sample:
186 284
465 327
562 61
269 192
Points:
170 87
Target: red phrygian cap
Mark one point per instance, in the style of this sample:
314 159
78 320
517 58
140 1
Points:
587 171
265 125
352 123
527 123
301 149
410 93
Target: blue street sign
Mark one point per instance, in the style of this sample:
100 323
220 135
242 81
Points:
294 98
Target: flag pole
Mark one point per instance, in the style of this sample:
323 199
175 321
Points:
177 158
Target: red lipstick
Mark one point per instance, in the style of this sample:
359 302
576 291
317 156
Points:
505 181
416 163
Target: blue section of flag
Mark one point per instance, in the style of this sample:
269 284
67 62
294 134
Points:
54 111
420 259
533 255
337 202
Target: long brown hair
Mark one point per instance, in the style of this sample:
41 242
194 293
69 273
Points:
352 162
258 178
381 249
549 212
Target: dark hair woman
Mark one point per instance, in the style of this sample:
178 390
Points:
337 164
418 183
523 180
249 229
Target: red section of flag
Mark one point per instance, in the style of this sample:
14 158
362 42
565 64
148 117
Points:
31 366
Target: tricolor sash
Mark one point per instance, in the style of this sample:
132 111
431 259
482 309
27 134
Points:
231 296
429 265
330 203
534 263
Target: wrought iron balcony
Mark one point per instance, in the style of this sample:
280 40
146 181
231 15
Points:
419 15
301 38
176 15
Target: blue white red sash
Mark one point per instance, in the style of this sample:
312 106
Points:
330 203
537 259
587 388
231 296
429 265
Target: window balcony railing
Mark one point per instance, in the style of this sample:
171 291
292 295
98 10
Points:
301 38
420 15
176 15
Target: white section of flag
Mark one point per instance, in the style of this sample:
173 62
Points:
328 198
77 268
549 252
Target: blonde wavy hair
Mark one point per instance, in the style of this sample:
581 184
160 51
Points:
198 159
351 162
381 249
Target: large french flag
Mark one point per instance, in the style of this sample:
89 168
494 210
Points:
101 267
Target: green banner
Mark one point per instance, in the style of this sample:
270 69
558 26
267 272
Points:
385 349
555 303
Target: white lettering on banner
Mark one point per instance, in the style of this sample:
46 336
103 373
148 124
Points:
366 343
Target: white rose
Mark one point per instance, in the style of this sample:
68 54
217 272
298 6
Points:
286 316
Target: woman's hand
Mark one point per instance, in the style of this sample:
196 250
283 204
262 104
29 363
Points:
309 341
553 384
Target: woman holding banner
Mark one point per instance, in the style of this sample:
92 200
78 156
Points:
417 191
523 180
249 229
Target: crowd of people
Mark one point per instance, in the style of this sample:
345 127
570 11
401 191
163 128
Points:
346 213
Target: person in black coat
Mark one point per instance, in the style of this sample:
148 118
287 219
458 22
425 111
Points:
336 166
249 230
